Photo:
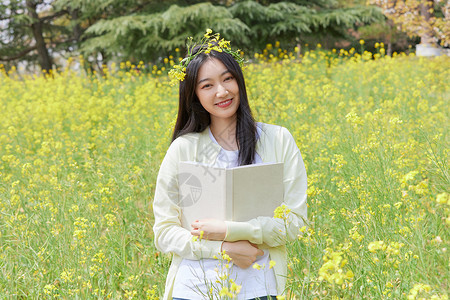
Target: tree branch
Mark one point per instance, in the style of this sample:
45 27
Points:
138 8
19 55
26 51
58 14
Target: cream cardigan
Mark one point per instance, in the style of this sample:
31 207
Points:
275 144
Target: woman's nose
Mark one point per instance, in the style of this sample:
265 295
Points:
221 91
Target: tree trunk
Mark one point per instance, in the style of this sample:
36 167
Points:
391 25
44 58
427 36
76 29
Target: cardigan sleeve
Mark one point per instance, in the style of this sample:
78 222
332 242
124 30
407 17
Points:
170 237
274 231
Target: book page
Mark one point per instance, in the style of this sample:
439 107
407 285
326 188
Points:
257 191
201 192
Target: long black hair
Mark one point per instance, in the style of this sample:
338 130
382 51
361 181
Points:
192 117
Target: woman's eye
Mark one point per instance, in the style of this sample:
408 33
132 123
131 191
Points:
206 86
229 78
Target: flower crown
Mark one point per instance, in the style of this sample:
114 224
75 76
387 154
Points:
208 43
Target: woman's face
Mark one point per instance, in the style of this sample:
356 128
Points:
217 90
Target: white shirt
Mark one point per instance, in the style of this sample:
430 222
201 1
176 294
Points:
196 279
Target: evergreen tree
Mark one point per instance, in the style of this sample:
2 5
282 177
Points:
248 24
28 35
294 22
148 30
151 36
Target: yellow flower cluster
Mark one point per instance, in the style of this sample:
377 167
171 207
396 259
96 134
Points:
257 266
423 291
378 245
224 286
230 292
443 198
333 269
151 294
281 212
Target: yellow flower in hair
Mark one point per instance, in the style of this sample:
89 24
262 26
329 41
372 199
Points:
209 42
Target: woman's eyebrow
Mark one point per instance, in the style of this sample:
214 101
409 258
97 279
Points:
205 79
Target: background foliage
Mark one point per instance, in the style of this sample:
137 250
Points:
48 32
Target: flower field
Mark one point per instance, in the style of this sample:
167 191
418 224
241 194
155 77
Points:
79 156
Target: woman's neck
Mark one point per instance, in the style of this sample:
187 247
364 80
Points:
224 131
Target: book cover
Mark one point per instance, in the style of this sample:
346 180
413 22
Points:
230 194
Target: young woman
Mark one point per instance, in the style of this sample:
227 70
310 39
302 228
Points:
215 126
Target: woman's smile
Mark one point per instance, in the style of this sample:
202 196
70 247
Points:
225 103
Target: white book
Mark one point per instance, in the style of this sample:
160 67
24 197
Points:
230 194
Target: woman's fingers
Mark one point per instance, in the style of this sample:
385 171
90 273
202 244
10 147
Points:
199 233
242 253
195 224
260 252
211 229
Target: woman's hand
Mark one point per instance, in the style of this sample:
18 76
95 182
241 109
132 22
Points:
242 253
212 229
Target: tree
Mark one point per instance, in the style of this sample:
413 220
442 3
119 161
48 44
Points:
135 30
430 20
248 24
149 36
35 31
292 22
128 16
15 40
30 32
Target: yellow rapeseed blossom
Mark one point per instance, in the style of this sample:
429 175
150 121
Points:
443 198
417 290
333 269
272 264
281 212
374 246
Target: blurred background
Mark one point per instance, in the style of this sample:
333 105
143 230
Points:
42 35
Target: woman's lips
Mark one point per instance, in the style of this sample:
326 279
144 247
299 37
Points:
224 103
